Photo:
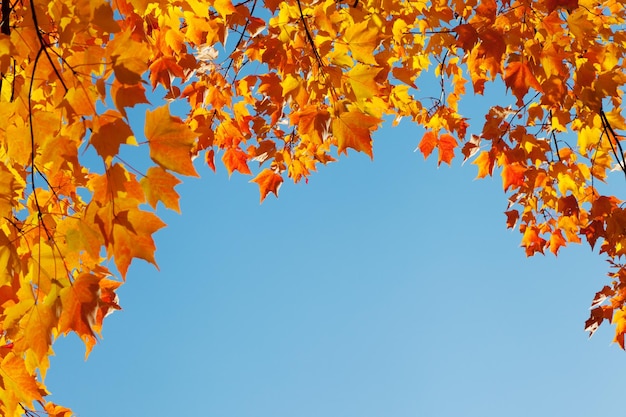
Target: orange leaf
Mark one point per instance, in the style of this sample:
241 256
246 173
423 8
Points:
556 241
54 410
519 78
236 160
513 175
18 385
269 182
484 164
80 301
352 129
532 241
127 96
38 324
362 39
110 132
162 70
467 36
446 145
158 185
428 143
132 237
170 141
224 7
362 78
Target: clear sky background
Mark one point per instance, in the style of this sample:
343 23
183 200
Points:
378 289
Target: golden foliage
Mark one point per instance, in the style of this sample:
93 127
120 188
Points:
330 73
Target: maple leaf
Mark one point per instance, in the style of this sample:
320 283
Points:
236 160
513 175
110 131
519 78
158 185
446 145
328 74
79 304
38 325
362 79
485 164
19 386
362 39
127 96
170 141
428 143
131 235
128 55
269 182
352 129
55 410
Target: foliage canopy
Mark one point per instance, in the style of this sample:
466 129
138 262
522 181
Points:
273 89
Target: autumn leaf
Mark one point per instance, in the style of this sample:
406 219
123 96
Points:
110 132
80 302
132 236
428 143
568 5
361 39
353 130
513 176
236 160
18 385
170 141
484 163
125 96
301 82
446 145
519 78
362 79
158 185
269 182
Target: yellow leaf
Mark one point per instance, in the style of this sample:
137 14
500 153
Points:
362 40
362 80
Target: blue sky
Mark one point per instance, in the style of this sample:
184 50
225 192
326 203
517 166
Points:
384 288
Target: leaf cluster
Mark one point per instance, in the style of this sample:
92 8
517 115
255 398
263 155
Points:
274 89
